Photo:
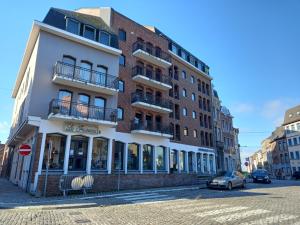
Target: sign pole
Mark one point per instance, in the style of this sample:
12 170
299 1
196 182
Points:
47 168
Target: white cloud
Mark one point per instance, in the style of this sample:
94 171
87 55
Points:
274 110
242 108
4 127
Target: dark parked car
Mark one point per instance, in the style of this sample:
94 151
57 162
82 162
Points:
261 175
228 180
296 175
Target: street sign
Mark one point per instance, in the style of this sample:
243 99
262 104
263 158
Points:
25 150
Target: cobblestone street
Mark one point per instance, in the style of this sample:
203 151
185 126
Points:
277 203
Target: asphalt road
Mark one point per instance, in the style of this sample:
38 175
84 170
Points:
276 203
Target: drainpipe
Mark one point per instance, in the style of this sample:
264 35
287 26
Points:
33 149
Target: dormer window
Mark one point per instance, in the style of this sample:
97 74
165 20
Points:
89 32
104 38
72 26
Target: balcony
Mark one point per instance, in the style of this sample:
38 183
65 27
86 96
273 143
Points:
76 112
148 128
78 77
153 55
149 102
149 77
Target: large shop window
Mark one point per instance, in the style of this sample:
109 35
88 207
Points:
99 155
133 156
161 158
182 161
119 156
55 151
148 157
173 161
78 153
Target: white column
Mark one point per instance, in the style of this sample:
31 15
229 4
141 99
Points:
208 163
168 159
187 162
89 155
155 163
109 155
141 158
214 164
125 157
202 162
67 153
178 161
195 162
42 152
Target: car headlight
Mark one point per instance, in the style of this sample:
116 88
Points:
266 177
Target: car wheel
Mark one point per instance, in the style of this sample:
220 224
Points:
229 186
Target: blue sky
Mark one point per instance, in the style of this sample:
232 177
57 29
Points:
252 48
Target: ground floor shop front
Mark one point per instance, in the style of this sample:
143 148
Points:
113 159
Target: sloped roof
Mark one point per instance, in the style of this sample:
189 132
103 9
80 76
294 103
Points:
277 133
292 115
91 20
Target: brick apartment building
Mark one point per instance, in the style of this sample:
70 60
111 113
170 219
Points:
98 93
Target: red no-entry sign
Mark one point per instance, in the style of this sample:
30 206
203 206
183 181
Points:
24 150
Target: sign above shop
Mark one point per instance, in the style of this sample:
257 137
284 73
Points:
25 150
81 128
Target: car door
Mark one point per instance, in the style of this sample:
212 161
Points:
236 179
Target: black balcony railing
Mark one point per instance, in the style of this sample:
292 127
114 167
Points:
79 110
139 70
150 126
157 52
81 74
150 99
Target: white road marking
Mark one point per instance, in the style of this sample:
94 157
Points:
135 196
271 220
188 204
220 211
152 201
240 215
197 208
145 197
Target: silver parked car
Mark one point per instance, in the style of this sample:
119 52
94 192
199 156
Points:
228 180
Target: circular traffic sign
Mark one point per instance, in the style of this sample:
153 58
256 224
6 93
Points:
246 164
25 149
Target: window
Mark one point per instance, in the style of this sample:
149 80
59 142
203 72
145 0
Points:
104 38
193 97
295 141
292 155
148 157
161 158
85 73
174 48
297 155
185 131
69 63
192 79
99 154
55 145
119 156
122 60
173 160
298 126
120 115
195 133
207 89
290 142
194 115
182 160
190 161
121 84
78 153
72 26
133 156
183 74
184 111
200 102
89 32
201 120
122 35
184 92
